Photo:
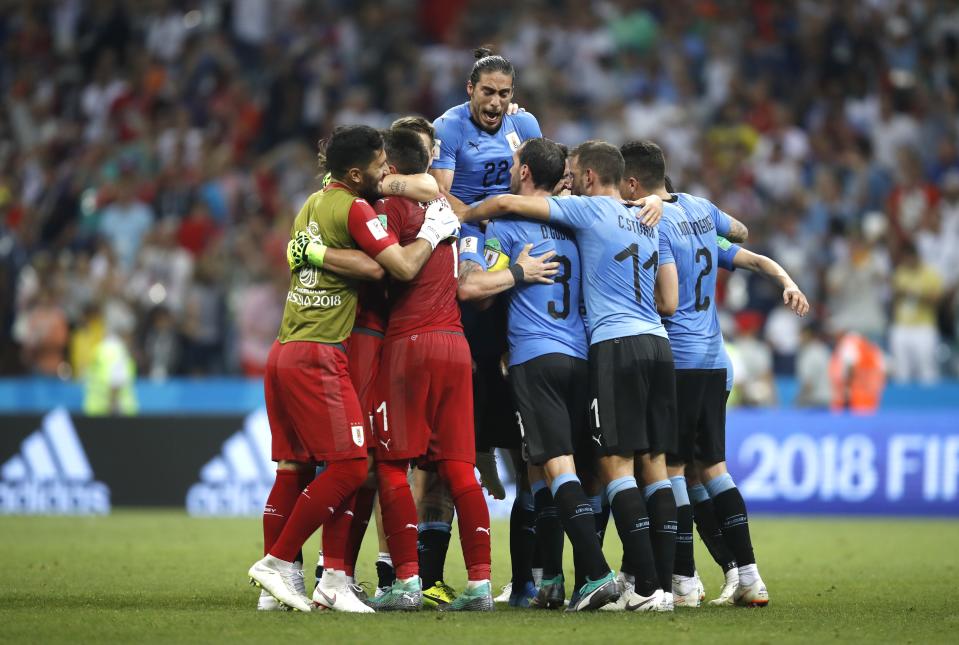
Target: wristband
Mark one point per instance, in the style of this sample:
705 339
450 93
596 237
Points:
315 252
518 273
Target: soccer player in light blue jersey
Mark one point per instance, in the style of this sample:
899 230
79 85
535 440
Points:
472 154
549 377
690 254
632 385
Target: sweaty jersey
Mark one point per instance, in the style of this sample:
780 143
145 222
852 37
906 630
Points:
620 256
480 160
687 237
321 305
428 301
543 318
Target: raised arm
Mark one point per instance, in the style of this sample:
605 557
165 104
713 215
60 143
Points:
422 187
792 296
738 232
531 207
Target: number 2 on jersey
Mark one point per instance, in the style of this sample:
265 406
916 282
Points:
632 251
492 167
702 304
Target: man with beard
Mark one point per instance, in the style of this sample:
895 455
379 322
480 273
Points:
314 411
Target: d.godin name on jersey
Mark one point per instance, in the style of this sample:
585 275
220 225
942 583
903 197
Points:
633 225
550 233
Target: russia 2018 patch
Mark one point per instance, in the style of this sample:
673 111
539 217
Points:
469 244
376 228
436 148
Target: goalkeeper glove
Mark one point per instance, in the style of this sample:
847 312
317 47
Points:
440 222
301 250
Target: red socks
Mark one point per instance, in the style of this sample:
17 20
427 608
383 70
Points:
399 516
317 503
472 516
286 489
362 511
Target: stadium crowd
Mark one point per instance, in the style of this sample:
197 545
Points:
153 156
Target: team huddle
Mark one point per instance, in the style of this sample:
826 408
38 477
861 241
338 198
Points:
600 369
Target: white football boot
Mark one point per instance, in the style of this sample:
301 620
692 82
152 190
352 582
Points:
751 591
667 604
700 589
658 601
686 591
729 588
280 579
267 602
505 593
334 592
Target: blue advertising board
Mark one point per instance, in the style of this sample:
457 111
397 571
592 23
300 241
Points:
892 463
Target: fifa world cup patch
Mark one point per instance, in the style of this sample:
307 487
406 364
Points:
436 148
358 437
513 139
469 244
376 228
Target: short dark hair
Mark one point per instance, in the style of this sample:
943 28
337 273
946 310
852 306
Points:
546 162
487 62
416 124
645 161
602 158
350 146
405 151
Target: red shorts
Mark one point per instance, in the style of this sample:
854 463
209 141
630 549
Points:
363 351
311 404
424 403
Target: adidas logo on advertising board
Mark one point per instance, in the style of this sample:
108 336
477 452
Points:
51 474
238 480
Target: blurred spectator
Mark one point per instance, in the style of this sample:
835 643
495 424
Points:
109 384
753 371
856 285
141 144
161 344
812 369
857 371
125 223
260 312
914 337
44 334
85 339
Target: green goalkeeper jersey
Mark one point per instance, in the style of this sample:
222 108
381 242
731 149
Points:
321 305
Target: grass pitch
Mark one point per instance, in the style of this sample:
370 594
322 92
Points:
160 576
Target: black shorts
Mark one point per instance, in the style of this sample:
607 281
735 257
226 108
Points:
494 416
632 404
550 393
701 417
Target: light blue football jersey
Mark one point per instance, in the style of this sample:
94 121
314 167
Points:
619 257
543 318
480 160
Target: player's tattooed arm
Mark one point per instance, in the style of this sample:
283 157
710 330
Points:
738 232
478 285
422 187
527 206
792 296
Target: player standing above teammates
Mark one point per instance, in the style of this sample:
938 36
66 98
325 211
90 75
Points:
689 257
425 402
632 389
474 148
313 409
549 378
